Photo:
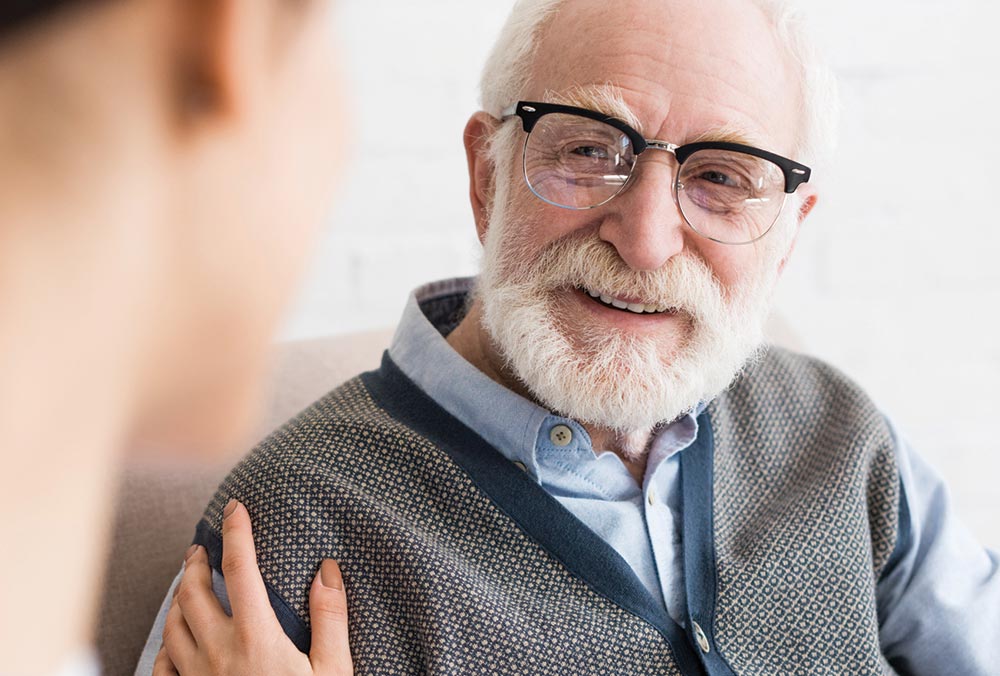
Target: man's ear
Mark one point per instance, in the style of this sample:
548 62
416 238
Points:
219 51
482 172
809 199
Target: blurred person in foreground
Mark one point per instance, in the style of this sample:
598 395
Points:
585 461
163 166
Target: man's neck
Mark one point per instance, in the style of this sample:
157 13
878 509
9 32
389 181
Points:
472 342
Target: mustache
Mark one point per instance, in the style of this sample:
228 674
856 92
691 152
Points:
583 260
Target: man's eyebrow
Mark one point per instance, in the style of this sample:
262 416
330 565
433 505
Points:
603 98
729 135
608 99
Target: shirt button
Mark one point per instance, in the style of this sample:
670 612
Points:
699 636
520 466
651 498
561 435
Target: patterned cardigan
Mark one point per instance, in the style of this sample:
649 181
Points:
456 562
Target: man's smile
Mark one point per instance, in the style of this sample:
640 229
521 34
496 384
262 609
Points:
626 305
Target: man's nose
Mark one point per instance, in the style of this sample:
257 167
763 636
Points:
644 223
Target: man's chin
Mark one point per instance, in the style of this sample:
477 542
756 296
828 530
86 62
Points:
625 408
631 395
578 361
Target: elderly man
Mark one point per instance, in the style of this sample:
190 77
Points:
585 462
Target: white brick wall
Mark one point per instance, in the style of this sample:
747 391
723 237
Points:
895 279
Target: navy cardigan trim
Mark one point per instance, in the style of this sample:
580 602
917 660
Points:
536 512
698 494
295 628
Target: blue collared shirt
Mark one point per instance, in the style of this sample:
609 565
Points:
939 610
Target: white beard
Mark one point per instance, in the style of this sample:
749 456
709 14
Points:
609 378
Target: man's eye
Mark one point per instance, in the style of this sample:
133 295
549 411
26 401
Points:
593 152
717 177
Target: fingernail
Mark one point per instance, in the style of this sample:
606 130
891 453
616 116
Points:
190 552
230 508
329 575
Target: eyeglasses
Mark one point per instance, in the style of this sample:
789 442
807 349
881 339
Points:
579 159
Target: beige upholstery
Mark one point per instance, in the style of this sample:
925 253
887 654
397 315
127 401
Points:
159 506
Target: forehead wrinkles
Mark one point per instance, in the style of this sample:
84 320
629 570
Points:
684 68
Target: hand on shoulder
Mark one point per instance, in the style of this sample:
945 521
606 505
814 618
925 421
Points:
200 639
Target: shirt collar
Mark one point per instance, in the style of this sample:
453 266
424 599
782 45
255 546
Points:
515 426
506 420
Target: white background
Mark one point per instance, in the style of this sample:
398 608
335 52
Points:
895 279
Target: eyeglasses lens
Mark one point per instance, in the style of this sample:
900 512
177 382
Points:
730 196
575 162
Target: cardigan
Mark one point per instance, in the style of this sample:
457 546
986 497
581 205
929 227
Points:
456 563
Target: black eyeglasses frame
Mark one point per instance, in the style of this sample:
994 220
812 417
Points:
531 112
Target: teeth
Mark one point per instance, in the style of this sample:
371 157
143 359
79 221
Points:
638 308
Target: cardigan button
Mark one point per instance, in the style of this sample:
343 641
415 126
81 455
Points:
699 636
520 466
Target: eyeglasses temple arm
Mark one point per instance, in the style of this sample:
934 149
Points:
508 112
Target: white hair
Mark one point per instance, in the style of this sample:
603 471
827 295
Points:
508 67
507 73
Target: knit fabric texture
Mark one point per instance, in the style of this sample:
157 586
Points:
456 562
806 494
